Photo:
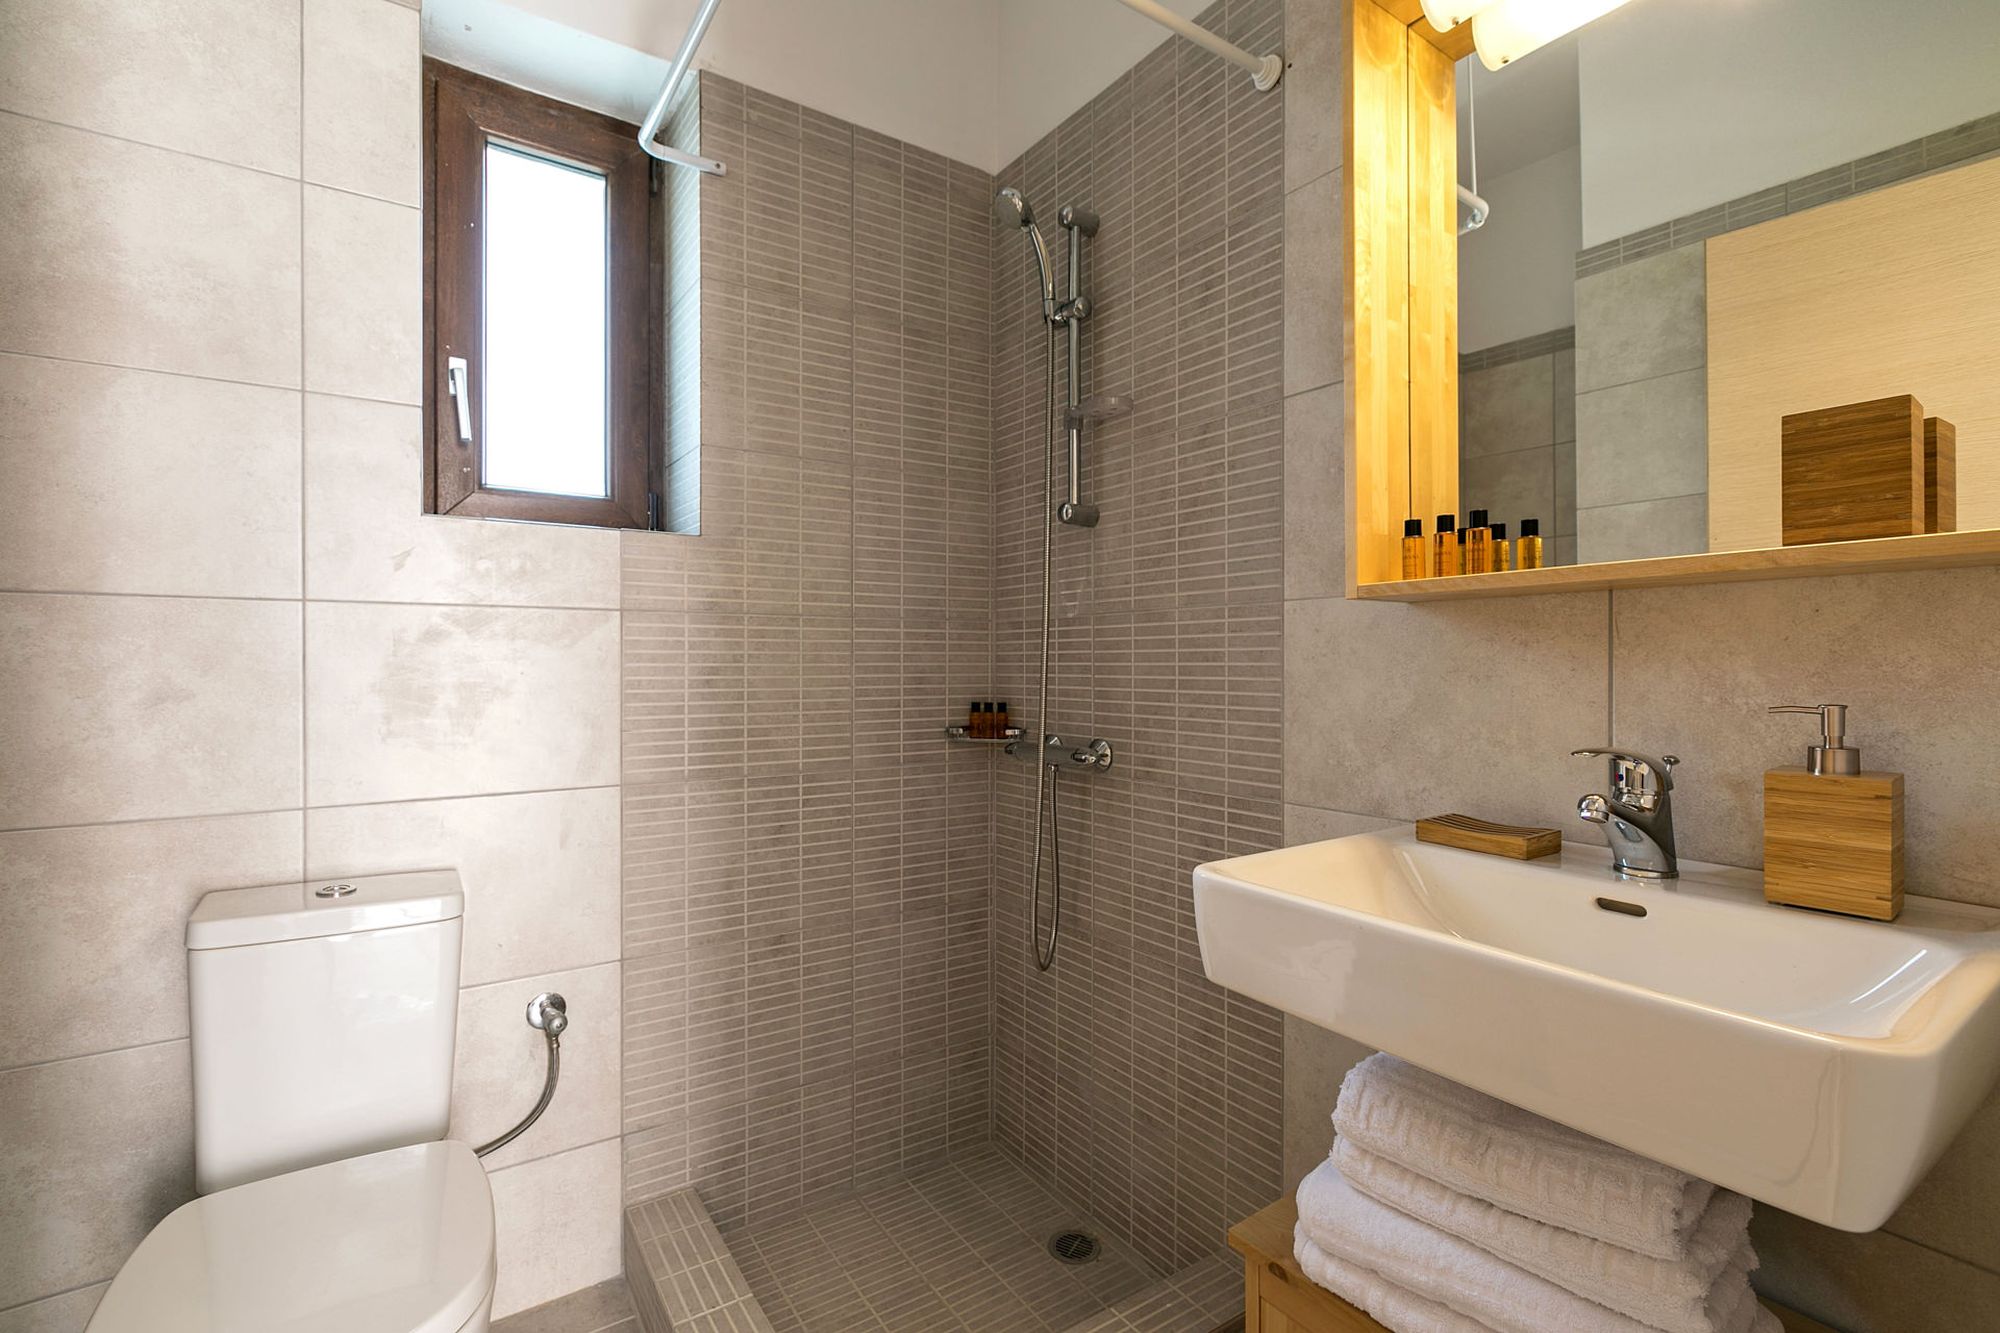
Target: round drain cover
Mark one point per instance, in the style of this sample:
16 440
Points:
1073 1247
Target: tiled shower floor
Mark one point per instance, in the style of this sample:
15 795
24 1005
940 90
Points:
963 1246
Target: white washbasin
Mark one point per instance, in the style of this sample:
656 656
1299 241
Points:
1813 1062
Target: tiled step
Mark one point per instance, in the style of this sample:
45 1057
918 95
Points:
680 1272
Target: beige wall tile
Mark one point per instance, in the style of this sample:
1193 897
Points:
1407 711
366 539
363 109
1508 407
1646 440
1313 88
1872 1283
129 67
117 708
363 297
1511 487
557 1223
1642 319
540 870
1313 304
140 257
1643 529
1316 1060
1315 494
407 702
67 1313
502 1061
117 480
96 1151
92 921
1956 1208
1912 654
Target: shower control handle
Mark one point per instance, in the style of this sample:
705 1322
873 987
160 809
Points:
1095 753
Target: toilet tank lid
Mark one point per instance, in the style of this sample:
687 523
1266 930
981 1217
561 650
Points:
230 918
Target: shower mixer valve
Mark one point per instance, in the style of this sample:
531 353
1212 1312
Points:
1095 754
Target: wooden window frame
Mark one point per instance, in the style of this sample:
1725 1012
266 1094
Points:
462 113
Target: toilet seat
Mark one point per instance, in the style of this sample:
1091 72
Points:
394 1242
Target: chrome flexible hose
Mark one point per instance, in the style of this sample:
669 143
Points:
1045 786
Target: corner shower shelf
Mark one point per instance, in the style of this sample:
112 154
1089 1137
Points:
964 736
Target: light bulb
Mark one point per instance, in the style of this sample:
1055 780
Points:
1444 15
1509 29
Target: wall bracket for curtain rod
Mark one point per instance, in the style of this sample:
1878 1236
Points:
649 132
1265 71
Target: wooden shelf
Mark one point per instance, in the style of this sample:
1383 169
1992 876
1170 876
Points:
1941 550
1280 1298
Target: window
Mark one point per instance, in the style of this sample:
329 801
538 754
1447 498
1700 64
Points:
543 325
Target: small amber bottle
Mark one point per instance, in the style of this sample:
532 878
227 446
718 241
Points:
975 725
1478 543
1529 556
999 720
1444 547
1503 550
1413 548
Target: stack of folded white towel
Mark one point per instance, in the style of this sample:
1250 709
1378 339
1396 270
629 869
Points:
1443 1210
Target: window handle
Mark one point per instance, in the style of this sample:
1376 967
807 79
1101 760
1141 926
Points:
457 382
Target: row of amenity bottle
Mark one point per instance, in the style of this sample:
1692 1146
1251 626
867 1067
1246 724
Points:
1479 547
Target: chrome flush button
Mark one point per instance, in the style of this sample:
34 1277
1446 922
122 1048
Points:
333 890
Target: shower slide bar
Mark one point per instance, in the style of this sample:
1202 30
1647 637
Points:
1265 71
649 132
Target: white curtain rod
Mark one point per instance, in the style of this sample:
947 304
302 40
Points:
1265 71
649 132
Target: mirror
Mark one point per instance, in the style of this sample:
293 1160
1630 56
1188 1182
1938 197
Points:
1706 217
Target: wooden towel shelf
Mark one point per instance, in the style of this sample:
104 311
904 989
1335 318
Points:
1279 1298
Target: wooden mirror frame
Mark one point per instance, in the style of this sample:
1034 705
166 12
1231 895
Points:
1401 321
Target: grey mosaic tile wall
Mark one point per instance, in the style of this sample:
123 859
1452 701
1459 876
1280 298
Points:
806 864
1123 1077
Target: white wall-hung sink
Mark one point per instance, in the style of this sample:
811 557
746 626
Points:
1813 1062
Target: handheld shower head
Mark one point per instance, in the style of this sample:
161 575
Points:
1012 208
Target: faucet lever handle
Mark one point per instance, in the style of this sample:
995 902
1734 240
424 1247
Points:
1638 781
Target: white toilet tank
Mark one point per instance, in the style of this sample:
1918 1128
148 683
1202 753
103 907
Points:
324 1018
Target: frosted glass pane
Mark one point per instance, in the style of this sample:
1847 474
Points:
546 395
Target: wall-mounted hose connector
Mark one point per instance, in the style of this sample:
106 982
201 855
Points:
549 1015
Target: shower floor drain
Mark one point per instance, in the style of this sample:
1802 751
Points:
1073 1247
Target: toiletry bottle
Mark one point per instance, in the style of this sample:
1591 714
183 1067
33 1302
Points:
1444 547
1529 553
1413 548
1503 550
1833 833
1461 567
999 719
975 721
1478 543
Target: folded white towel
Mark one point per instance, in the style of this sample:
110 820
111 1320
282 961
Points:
1666 1293
1391 1306
1481 1146
1427 1262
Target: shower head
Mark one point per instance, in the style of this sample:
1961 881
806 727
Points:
1012 208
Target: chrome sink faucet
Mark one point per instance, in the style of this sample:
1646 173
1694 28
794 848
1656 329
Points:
1638 816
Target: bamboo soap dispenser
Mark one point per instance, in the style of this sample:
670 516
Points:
1833 833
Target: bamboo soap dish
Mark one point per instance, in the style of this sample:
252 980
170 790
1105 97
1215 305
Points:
1477 835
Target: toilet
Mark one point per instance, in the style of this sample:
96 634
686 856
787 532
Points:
324 1018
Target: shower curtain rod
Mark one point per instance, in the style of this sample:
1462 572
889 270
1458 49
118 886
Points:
650 131
1265 71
